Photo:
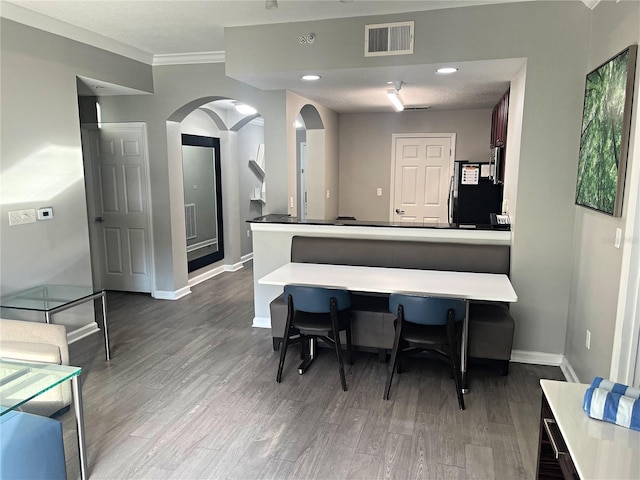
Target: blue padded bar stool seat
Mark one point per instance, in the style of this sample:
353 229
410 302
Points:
31 447
315 312
427 324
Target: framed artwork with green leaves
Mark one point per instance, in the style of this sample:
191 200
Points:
606 125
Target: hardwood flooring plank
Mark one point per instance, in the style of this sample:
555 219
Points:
479 463
363 467
309 463
449 472
494 388
450 436
424 448
194 464
338 457
526 421
190 392
275 470
405 403
396 458
374 433
506 452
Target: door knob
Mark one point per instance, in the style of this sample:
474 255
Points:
399 212
99 219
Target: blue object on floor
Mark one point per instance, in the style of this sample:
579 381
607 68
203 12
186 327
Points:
31 447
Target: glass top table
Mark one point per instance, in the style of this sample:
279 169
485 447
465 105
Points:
24 381
52 299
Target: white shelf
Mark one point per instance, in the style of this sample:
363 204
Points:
257 167
259 193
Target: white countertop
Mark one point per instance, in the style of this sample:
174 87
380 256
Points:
464 285
599 450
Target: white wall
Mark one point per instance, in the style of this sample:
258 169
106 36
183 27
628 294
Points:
552 37
193 85
597 266
366 151
41 153
329 167
249 137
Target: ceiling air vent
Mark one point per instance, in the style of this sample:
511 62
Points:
388 39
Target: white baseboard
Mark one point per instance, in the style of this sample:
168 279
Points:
206 275
246 258
537 358
218 270
261 322
82 332
169 295
568 371
233 267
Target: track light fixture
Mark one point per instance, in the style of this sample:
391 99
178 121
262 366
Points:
394 97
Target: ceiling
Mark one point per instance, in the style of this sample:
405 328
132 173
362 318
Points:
191 26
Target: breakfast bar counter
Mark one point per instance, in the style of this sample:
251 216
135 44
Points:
272 236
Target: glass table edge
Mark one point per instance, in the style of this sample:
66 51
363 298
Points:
67 372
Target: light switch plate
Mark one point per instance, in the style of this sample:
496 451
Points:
45 213
20 217
618 237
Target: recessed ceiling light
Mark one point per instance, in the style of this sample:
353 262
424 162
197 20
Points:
446 70
310 78
245 109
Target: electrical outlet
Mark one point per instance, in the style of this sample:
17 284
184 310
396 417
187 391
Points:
379 192
290 202
328 193
20 217
248 233
588 341
618 237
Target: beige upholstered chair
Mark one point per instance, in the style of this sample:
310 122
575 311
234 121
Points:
38 342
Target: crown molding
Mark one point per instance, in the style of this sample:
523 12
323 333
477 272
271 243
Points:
591 3
33 19
188 58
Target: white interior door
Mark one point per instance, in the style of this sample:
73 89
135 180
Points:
121 207
422 168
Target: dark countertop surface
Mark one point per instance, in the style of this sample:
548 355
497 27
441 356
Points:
279 218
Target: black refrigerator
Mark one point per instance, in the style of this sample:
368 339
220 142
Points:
473 196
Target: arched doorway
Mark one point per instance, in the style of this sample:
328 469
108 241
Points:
310 163
229 134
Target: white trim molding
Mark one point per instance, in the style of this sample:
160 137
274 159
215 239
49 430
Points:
246 258
169 295
188 58
48 24
591 3
261 322
204 276
537 358
569 372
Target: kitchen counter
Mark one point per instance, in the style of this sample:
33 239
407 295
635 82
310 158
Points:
276 218
272 236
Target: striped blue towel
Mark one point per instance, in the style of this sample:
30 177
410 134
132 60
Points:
612 407
599 382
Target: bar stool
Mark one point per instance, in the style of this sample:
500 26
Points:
315 312
427 324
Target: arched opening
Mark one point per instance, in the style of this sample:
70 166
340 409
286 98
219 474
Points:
217 198
310 164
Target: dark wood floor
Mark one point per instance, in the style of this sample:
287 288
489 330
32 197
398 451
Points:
190 393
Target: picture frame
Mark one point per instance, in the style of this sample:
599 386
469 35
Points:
604 140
